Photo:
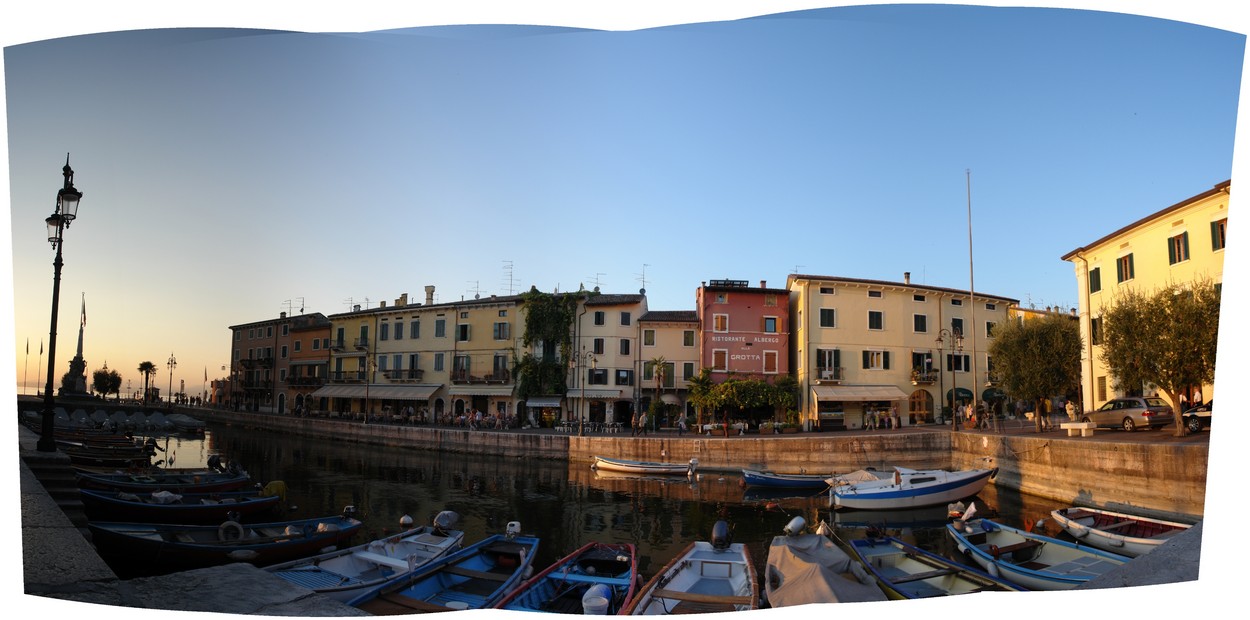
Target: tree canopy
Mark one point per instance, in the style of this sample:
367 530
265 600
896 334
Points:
1037 358
105 381
1166 339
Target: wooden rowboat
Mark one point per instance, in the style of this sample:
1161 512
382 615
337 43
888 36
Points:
908 572
707 576
166 507
766 479
200 482
598 578
644 467
1116 532
1029 559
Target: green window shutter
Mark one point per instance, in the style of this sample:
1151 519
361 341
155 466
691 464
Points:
837 358
1215 236
1130 266
865 359
885 360
1185 243
1171 251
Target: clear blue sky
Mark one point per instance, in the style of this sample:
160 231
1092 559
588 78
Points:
744 142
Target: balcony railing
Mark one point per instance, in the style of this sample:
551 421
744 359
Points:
305 381
336 345
411 374
257 385
830 374
495 376
253 363
361 343
348 376
924 377
991 378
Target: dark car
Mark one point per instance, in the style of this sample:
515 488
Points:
1131 412
1196 418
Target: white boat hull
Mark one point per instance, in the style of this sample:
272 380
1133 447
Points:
644 467
701 575
1119 533
1046 564
911 489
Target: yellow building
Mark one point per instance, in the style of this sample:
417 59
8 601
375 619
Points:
674 336
1178 244
865 347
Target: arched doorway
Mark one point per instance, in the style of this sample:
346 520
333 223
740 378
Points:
282 403
920 407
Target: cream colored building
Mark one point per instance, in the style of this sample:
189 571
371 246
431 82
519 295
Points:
1175 245
864 346
674 336
604 381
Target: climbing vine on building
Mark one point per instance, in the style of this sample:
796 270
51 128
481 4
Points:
548 320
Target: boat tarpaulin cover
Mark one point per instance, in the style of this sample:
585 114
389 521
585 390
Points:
809 568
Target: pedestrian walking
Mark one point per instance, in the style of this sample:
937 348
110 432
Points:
1070 408
681 426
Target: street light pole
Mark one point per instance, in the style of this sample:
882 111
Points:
173 363
66 210
587 356
957 346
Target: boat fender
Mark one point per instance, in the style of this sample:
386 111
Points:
992 569
230 530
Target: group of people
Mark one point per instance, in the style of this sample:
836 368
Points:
879 419
639 423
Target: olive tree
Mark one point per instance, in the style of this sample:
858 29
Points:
1038 358
105 381
1166 338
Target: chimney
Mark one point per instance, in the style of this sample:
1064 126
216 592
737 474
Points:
382 304
429 294
356 308
403 300
282 315
763 284
906 277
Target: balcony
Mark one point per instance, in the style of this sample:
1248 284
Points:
403 376
924 377
830 375
305 381
361 344
348 376
336 345
253 363
257 385
495 376
991 378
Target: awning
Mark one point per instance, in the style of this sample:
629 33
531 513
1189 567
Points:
306 362
544 401
671 399
595 394
380 392
963 394
993 394
480 390
857 392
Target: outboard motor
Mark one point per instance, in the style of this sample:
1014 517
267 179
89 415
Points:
405 522
214 462
795 526
721 538
513 529
691 467
445 521
349 511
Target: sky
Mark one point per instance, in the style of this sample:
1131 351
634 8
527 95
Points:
238 161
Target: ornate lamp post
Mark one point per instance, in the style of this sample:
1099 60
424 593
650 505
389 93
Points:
66 210
172 363
583 359
957 346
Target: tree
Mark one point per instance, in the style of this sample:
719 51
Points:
105 381
147 369
699 392
657 369
1166 338
1038 358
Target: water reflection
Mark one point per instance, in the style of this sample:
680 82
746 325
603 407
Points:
565 504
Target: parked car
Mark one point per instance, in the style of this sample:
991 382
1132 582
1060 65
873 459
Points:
1131 412
1198 417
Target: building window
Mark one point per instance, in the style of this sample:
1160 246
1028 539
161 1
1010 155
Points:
382 363
297 345
440 328
464 315
416 328
596 346
501 331
462 332
770 325
238 335
827 363
722 298
957 302
503 313
874 294
648 337
920 323
991 307
414 361
770 300
599 317
1095 331
283 353
1102 388
1095 280
316 344
286 329
385 332
399 330
325 344
876 360
957 326
1124 268
828 317
989 329
720 357
687 371
720 322
876 320
269 331
827 290
917 298
770 362
624 377
687 338
960 363
624 318
624 346
1218 229
1178 248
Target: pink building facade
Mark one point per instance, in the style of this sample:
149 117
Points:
744 330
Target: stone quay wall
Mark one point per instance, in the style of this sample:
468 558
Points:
1164 480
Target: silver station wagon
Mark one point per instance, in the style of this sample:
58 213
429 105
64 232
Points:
1131 413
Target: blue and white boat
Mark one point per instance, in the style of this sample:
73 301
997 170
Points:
1029 559
908 572
770 480
598 578
476 577
911 488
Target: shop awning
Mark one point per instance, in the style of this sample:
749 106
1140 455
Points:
595 394
993 394
480 390
857 392
544 401
963 394
671 399
379 392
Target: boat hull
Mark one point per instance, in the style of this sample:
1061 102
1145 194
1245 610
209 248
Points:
912 489
192 508
564 586
908 572
642 467
771 480
1031 560
700 579
1117 532
176 483
344 574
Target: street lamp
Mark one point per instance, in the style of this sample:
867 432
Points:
66 210
957 346
585 357
172 363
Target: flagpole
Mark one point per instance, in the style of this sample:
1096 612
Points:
25 366
972 312
40 371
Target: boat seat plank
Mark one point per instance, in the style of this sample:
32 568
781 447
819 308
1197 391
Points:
695 597
1113 526
1079 514
575 577
412 603
1025 544
474 574
384 560
925 575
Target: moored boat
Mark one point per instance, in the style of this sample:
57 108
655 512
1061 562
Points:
707 576
772 480
206 481
908 572
475 577
910 488
168 547
343 574
810 568
598 578
645 467
168 507
1117 532
1029 559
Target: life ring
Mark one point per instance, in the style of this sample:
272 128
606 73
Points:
230 530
